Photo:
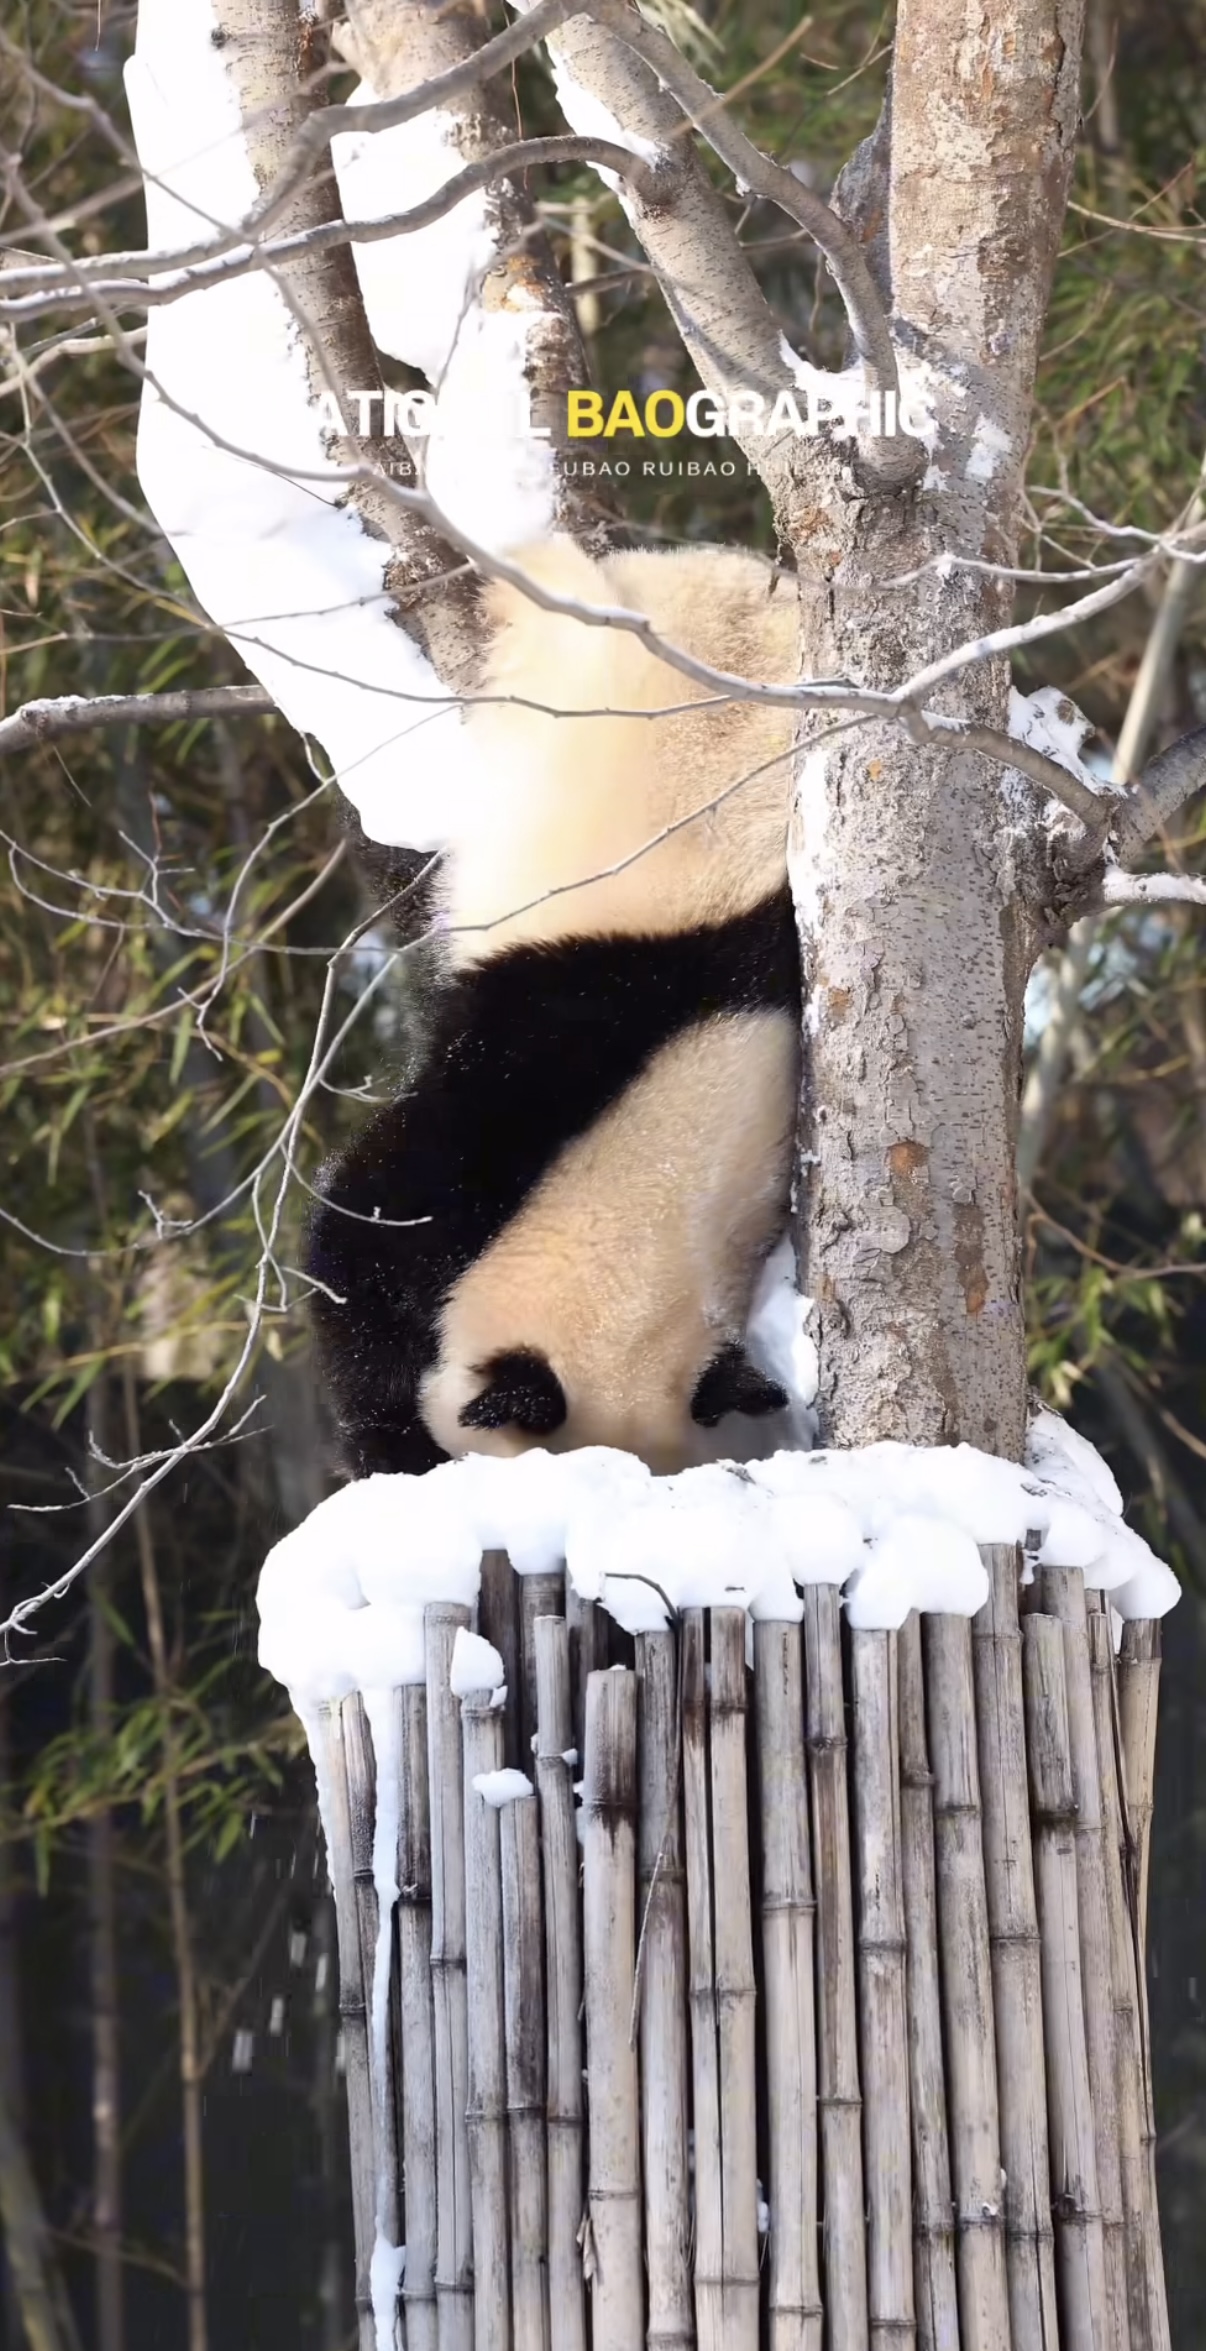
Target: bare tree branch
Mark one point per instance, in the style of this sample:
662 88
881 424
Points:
1119 888
400 47
1095 810
149 279
1167 782
77 714
269 81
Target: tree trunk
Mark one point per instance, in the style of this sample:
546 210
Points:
920 928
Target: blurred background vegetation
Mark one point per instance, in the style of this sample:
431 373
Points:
170 902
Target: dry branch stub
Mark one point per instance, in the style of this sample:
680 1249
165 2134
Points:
933 2049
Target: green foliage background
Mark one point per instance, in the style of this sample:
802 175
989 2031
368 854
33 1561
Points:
152 874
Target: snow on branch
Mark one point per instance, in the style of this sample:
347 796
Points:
477 302
297 554
1119 888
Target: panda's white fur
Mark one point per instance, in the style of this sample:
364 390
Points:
638 1251
562 826
619 938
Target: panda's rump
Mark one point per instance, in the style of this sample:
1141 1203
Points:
633 1259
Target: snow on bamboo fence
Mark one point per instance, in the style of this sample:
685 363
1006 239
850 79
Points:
756 1984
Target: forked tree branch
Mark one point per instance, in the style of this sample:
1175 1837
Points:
398 46
706 110
609 57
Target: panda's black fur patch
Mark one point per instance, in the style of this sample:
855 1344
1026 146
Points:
526 1052
732 1383
522 1391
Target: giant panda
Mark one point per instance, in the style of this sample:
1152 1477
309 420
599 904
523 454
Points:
553 1236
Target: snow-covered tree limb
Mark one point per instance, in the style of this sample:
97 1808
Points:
77 714
518 328
1119 888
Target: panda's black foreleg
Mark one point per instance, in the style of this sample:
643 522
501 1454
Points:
378 1241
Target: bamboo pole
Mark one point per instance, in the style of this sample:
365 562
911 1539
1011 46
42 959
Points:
1146 2292
587 1654
1064 1598
482 1734
733 1954
498 1620
1014 1951
795 2317
966 1980
701 1989
933 2206
454 2247
539 1595
661 1998
563 1976
417 2029
883 2003
1078 2232
1138 1694
523 1990
331 1766
839 2100
1137 1690
364 1799
609 1951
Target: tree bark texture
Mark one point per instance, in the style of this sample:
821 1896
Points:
921 909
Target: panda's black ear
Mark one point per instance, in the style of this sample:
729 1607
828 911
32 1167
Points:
522 1391
732 1383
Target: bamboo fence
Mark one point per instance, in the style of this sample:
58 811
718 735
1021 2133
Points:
798 2005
